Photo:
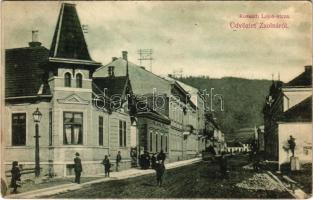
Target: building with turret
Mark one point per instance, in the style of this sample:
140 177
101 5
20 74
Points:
58 82
60 101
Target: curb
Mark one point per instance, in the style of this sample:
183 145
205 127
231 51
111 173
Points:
73 186
298 193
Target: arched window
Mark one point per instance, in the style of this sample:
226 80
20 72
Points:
67 79
79 81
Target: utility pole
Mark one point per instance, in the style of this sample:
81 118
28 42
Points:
145 55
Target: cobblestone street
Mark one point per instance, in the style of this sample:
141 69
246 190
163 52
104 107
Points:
199 180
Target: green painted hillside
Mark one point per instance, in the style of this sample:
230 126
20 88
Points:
243 100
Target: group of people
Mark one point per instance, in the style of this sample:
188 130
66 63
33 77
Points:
105 162
156 162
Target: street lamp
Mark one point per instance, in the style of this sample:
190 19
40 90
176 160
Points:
37 117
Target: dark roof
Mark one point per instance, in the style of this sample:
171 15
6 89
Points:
304 79
302 112
152 114
142 80
68 40
23 73
113 85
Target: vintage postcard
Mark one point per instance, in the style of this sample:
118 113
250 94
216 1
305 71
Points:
156 99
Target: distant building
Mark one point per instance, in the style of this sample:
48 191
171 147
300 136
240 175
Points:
234 147
288 112
216 138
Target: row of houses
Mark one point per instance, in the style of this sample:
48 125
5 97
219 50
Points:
91 108
288 113
241 140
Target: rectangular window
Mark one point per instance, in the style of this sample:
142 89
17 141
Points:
124 133
151 141
156 142
50 128
18 129
166 143
161 142
121 133
73 128
100 130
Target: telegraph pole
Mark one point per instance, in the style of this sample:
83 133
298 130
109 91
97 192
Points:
145 55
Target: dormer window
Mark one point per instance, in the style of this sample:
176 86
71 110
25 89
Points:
67 79
79 81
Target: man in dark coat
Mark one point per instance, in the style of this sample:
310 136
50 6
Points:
160 167
161 157
118 160
223 165
77 168
146 160
153 161
16 176
107 165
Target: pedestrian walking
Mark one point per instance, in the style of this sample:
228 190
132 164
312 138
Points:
15 177
107 165
153 161
161 156
146 160
77 168
256 162
160 169
142 161
118 160
223 165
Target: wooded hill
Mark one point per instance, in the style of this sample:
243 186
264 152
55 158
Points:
243 100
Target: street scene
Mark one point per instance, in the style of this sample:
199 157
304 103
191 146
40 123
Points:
99 103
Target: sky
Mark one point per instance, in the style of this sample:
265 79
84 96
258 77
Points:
193 36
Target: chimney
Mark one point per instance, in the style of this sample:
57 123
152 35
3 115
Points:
124 54
34 42
114 59
111 71
308 68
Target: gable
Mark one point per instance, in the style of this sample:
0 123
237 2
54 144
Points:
73 99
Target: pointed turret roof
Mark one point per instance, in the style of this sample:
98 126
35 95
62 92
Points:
68 41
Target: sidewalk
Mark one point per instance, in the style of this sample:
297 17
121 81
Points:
113 176
296 193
